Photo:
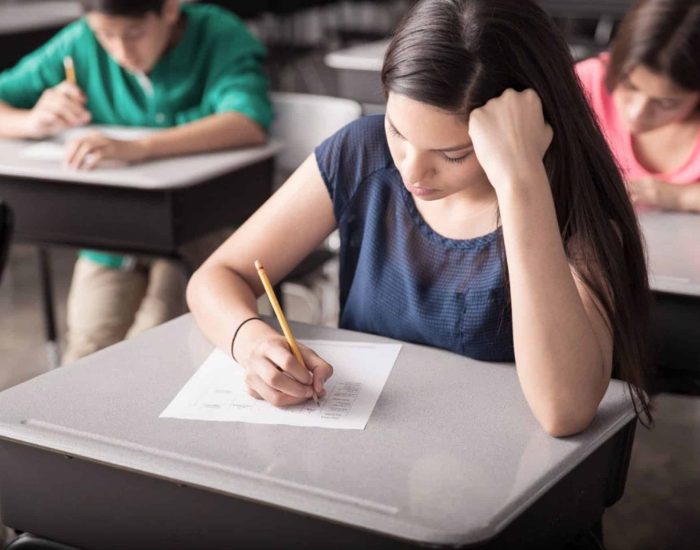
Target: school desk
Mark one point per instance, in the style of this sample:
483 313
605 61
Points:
451 457
673 248
26 25
590 9
357 70
151 208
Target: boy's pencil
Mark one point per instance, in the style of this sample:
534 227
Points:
281 319
69 67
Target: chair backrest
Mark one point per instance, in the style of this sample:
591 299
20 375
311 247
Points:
302 121
5 234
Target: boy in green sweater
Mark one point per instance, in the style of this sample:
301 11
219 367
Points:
193 69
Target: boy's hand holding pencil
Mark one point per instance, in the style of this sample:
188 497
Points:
59 108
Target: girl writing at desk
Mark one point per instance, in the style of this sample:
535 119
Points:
483 214
646 94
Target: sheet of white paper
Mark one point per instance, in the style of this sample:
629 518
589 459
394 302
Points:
217 392
54 150
115 132
45 150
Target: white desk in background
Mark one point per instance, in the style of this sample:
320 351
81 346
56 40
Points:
451 456
23 16
673 250
20 16
590 9
151 208
358 71
26 25
364 57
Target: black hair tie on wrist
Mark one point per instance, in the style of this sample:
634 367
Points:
233 340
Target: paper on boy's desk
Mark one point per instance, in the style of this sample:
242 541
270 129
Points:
49 151
45 150
54 150
217 391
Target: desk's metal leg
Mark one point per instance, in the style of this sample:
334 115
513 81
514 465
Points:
52 349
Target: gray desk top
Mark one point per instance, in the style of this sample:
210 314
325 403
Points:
365 57
591 9
36 15
451 453
158 174
673 249
370 57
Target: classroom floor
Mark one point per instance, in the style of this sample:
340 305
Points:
660 508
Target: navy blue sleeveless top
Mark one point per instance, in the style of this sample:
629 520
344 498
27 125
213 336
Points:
398 277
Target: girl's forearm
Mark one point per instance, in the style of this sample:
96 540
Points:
559 360
220 301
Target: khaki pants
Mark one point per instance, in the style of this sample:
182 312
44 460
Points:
106 305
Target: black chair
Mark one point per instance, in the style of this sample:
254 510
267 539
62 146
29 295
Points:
5 234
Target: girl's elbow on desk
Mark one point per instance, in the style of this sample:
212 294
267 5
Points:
565 412
564 400
195 287
201 288
564 423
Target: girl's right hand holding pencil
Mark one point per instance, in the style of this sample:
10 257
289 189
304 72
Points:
272 371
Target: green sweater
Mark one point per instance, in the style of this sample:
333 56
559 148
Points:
215 67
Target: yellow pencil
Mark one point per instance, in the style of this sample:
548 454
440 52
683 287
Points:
281 319
69 67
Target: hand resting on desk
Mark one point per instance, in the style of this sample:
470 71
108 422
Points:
90 147
667 196
86 152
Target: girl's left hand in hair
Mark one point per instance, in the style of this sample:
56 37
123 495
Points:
510 136
86 152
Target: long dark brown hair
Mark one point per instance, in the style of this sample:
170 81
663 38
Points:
662 35
458 54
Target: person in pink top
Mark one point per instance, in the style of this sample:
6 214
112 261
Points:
646 95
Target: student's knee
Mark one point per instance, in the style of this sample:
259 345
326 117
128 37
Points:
102 304
165 296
